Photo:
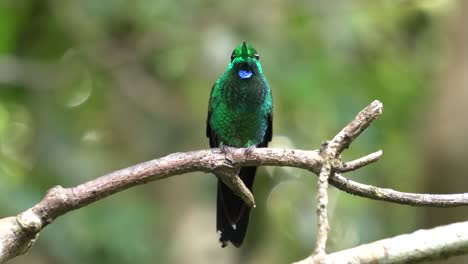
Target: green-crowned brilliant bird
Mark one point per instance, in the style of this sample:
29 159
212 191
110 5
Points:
239 115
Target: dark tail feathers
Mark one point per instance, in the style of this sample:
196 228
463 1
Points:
232 216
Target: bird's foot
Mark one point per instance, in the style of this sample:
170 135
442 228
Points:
227 152
224 149
249 150
216 151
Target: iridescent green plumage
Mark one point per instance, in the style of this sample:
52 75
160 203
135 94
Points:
239 115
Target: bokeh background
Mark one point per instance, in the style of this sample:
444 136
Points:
88 87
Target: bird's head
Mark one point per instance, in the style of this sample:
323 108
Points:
245 61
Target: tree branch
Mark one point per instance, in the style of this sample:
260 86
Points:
389 195
322 214
359 163
330 153
18 233
422 245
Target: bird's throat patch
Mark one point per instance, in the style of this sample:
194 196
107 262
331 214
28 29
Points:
245 74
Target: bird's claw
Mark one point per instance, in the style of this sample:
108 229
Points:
249 150
223 148
215 151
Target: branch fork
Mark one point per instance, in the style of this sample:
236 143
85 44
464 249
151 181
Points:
228 174
330 152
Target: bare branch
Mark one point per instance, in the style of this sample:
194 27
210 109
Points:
233 181
330 152
18 233
359 163
350 132
14 238
389 195
322 214
420 246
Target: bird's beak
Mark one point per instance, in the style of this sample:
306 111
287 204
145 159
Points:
244 53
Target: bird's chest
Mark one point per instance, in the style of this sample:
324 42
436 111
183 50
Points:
244 98
240 118
238 128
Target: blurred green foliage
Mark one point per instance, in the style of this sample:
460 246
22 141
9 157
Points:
88 87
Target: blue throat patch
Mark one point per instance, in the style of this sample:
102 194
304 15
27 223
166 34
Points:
243 74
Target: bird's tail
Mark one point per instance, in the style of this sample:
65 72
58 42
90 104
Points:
232 216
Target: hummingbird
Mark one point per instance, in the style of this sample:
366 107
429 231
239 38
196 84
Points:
240 114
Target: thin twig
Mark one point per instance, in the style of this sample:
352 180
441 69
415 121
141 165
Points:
359 163
350 132
389 195
322 203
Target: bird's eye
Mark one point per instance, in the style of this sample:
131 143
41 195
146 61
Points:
257 57
233 56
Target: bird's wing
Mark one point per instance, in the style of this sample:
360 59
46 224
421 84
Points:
209 132
269 131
